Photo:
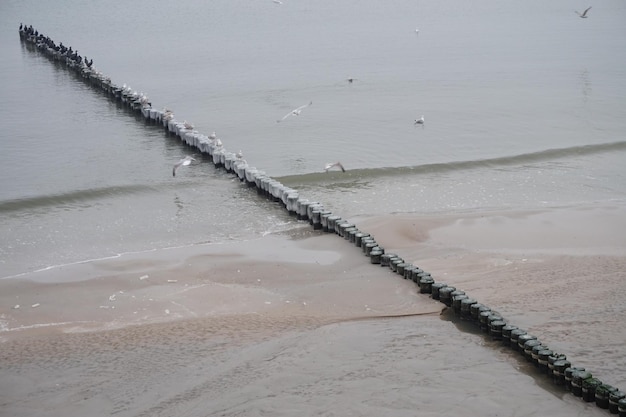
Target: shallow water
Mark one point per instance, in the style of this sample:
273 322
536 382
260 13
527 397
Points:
519 113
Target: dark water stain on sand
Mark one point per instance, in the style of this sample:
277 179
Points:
519 361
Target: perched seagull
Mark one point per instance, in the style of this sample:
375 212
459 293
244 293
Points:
212 136
335 164
218 143
583 14
183 162
295 112
420 121
144 99
188 125
239 156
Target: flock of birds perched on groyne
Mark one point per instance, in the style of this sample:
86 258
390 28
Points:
84 67
210 145
554 365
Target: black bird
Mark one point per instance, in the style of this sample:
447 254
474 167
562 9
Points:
583 15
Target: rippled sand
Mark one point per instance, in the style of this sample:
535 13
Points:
290 325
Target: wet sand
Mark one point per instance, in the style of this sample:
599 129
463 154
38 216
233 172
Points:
294 324
560 273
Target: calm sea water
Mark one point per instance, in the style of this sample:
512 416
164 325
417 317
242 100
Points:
524 104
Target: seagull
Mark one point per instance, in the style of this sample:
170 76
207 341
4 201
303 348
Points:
277 1
417 31
212 136
188 125
350 80
183 162
334 164
583 15
239 156
295 112
420 121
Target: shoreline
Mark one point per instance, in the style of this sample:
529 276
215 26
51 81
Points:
281 304
465 249
225 279
566 285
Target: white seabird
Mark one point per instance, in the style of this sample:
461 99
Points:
239 156
183 162
212 136
583 14
334 165
295 112
420 121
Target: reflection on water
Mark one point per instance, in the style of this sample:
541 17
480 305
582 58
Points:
586 85
178 202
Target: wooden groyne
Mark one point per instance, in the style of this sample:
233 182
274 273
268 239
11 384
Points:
554 365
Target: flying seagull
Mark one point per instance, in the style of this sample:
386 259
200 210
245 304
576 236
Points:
183 162
295 112
333 165
351 80
583 14
420 121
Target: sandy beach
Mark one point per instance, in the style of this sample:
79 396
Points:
302 324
